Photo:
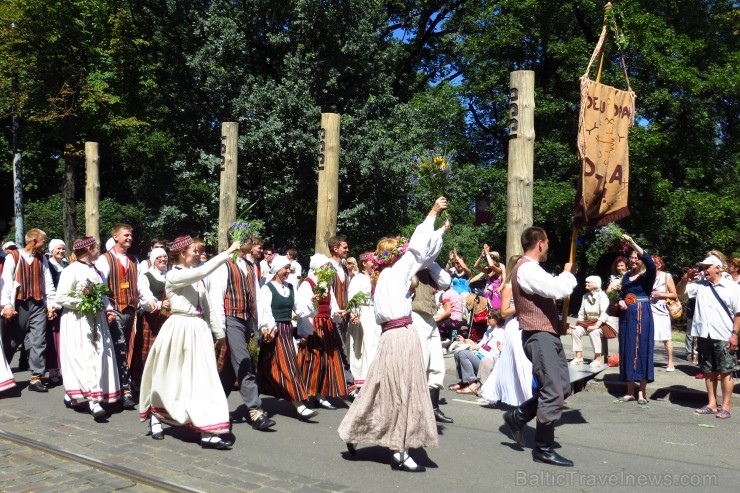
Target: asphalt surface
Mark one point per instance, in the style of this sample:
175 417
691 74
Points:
616 447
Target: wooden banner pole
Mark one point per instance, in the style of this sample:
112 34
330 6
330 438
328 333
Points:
227 194
327 202
92 192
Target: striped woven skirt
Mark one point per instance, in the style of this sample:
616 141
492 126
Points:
278 373
320 362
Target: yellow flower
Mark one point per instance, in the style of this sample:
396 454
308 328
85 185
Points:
438 159
442 165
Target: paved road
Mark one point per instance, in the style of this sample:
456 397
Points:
620 445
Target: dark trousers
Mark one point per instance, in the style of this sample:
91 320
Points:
32 321
341 333
239 364
550 368
120 332
12 337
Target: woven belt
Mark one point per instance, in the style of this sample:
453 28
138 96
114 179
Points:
396 323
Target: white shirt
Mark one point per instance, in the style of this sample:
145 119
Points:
392 299
710 318
339 267
10 285
533 279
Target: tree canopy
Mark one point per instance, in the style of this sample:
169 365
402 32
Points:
153 81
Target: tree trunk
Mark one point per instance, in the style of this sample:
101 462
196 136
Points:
69 215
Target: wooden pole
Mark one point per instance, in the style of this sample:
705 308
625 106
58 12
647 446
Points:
92 191
328 195
227 195
521 159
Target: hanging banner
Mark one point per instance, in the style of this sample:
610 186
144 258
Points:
606 115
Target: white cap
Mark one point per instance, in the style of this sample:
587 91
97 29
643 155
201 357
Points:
9 244
278 263
55 243
156 253
318 260
710 260
109 244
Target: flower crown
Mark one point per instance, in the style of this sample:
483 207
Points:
389 257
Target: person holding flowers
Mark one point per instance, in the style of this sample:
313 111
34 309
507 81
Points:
393 408
180 384
636 323
89 370
319 358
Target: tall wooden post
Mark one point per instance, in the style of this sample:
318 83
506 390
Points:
328 196
521 159
92 191
227 208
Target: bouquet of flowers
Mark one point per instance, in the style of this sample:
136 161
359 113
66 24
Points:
91 296
243 230
613 296
609 238
324 279
433 170
359 300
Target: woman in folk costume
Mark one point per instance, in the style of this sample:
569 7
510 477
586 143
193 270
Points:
57 262
89 370
278 374
319 358
151 285
393 408
363 332
180 384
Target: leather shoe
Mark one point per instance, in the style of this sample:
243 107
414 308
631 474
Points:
548 455
440 417
215 443
514 426
402 466
351 449
128 402
262 423
38 386
325 404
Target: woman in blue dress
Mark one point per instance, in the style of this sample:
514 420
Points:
636 323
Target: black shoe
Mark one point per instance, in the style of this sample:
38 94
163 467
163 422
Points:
548 455
402 466
38 386
128 402
351 449
514 426
216 443
440 417
262 423
67 401
325 404
307 414
23 365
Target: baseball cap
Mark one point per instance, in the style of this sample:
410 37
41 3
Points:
9 244
711 260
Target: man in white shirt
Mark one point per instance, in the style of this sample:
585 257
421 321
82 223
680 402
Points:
716 321
295 268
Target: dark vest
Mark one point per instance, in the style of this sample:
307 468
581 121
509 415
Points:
282 306
155 286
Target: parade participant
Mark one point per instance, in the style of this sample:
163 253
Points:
636 324
147 263
363 332
57 261
338 250
296 271
120 273
717 324
88 363
319 357
180 385
233 291
264 264
28 292
663 289
535 292
278 374
424 307
151 287
393 408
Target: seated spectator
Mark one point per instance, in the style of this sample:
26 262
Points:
450 318
591 317
477 320
470 361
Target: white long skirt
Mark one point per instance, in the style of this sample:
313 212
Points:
88 364
7 380
511 380
362 344
180 384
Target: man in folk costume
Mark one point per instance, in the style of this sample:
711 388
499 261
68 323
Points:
28 291
424 307
338 250
535 292
233 295
119 271
252 261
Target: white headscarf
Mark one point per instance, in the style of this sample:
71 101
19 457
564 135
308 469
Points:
278 263
109 244
155 253
55 243
318 260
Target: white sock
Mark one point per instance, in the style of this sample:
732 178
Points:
154 424
408 461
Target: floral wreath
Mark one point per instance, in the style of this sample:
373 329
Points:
389 257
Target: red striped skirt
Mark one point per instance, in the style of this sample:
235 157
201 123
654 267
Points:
278 373
320 361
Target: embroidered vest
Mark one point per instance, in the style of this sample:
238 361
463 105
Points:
341 288
423 302
122 282
324 310
31 278
535 312
239 299
282 306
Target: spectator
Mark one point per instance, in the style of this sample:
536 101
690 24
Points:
470 361
459 272
591 316
663 289
619 268
450 320
492 275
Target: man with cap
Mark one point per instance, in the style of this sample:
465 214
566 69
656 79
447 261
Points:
119 271
28 291
717 323
233 291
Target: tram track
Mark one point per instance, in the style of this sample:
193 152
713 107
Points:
117 470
